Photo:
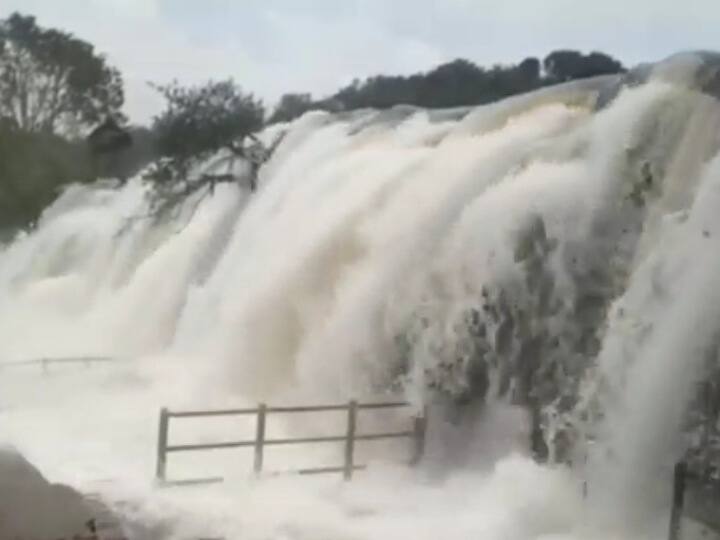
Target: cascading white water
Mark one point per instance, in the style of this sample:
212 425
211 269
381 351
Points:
351 273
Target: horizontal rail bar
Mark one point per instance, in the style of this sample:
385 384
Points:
193 481
219 479
305 440
217 412
388 405
276 442
309 408
209 446
324 470
341 438
340 407
238 412
76 359
390 435
70 359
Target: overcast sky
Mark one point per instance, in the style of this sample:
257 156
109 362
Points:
276 46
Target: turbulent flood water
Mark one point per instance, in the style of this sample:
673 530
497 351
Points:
542 273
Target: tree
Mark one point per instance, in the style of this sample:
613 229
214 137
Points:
198 121
457 83
292 106
563 65
529 71
567 65
134 158
34 168
107 144
597 63
108 137
51 80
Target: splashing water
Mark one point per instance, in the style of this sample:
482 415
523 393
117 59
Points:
554 254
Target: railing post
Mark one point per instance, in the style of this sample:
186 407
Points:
350 440
678 501
586 458
708 425
162 445
419 433
260 437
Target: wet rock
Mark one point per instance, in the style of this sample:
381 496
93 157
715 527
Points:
31 507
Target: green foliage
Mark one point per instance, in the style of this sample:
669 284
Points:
123 153
291 106
454 84
33 169
129 161
200 120
52 81
108 137
567 65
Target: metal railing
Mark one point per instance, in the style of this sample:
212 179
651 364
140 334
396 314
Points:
45 363
416 434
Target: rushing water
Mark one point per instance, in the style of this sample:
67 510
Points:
551 261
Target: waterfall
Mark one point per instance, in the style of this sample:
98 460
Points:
540 272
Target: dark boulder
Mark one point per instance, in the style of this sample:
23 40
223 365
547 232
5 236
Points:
31 507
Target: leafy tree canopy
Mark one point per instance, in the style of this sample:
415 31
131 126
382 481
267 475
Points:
34 168
291 106
567 65
51 81
200 120
454 84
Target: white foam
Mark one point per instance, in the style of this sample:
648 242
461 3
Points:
299 295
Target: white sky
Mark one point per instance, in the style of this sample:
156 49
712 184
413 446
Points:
276 46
